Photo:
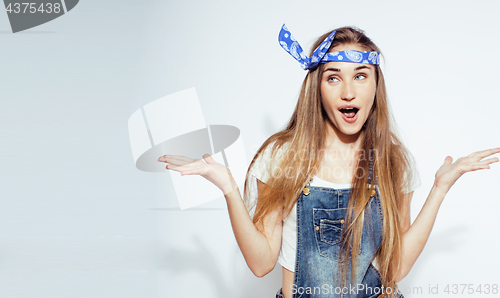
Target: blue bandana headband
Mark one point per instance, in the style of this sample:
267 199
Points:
320 55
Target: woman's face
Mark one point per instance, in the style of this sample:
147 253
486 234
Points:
348 92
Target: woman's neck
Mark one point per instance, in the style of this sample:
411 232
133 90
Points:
340 156
337 140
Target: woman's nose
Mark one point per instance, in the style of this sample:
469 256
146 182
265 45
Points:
348 92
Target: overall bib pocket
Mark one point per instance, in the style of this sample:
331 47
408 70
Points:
328 231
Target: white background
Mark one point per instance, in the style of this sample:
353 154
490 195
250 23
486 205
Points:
77 219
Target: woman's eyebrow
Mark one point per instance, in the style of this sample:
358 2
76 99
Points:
339 70
362 67
332 69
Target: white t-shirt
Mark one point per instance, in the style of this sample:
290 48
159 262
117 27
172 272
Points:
261 170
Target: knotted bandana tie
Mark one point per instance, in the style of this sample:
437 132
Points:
320 55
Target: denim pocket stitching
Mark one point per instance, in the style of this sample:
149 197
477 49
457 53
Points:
318 235
325 224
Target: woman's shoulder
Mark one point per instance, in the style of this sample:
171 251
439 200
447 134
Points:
411 175
268 159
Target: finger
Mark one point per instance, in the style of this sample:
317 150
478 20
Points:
173 166
476 166
195 164
167 156
479 167
488 161
484 153
171 157
448 160
179 158
176 159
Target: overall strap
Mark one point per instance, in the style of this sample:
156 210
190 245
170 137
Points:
370 170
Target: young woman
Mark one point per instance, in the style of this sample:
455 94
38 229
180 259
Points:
334 187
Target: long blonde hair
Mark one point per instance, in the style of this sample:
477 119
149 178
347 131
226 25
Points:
305 134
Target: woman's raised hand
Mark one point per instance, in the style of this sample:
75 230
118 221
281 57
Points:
207 167
450 171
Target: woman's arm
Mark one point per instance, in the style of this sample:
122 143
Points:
416 235
260 248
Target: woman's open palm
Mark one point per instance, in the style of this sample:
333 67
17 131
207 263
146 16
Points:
207 167
450 171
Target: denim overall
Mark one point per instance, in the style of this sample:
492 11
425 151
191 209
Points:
320 216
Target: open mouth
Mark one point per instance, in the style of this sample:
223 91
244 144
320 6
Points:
349 112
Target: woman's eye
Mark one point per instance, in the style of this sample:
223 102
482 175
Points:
332 79
360 77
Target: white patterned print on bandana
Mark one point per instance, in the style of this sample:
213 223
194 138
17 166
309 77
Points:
354 56
283 44
293 50
374 57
